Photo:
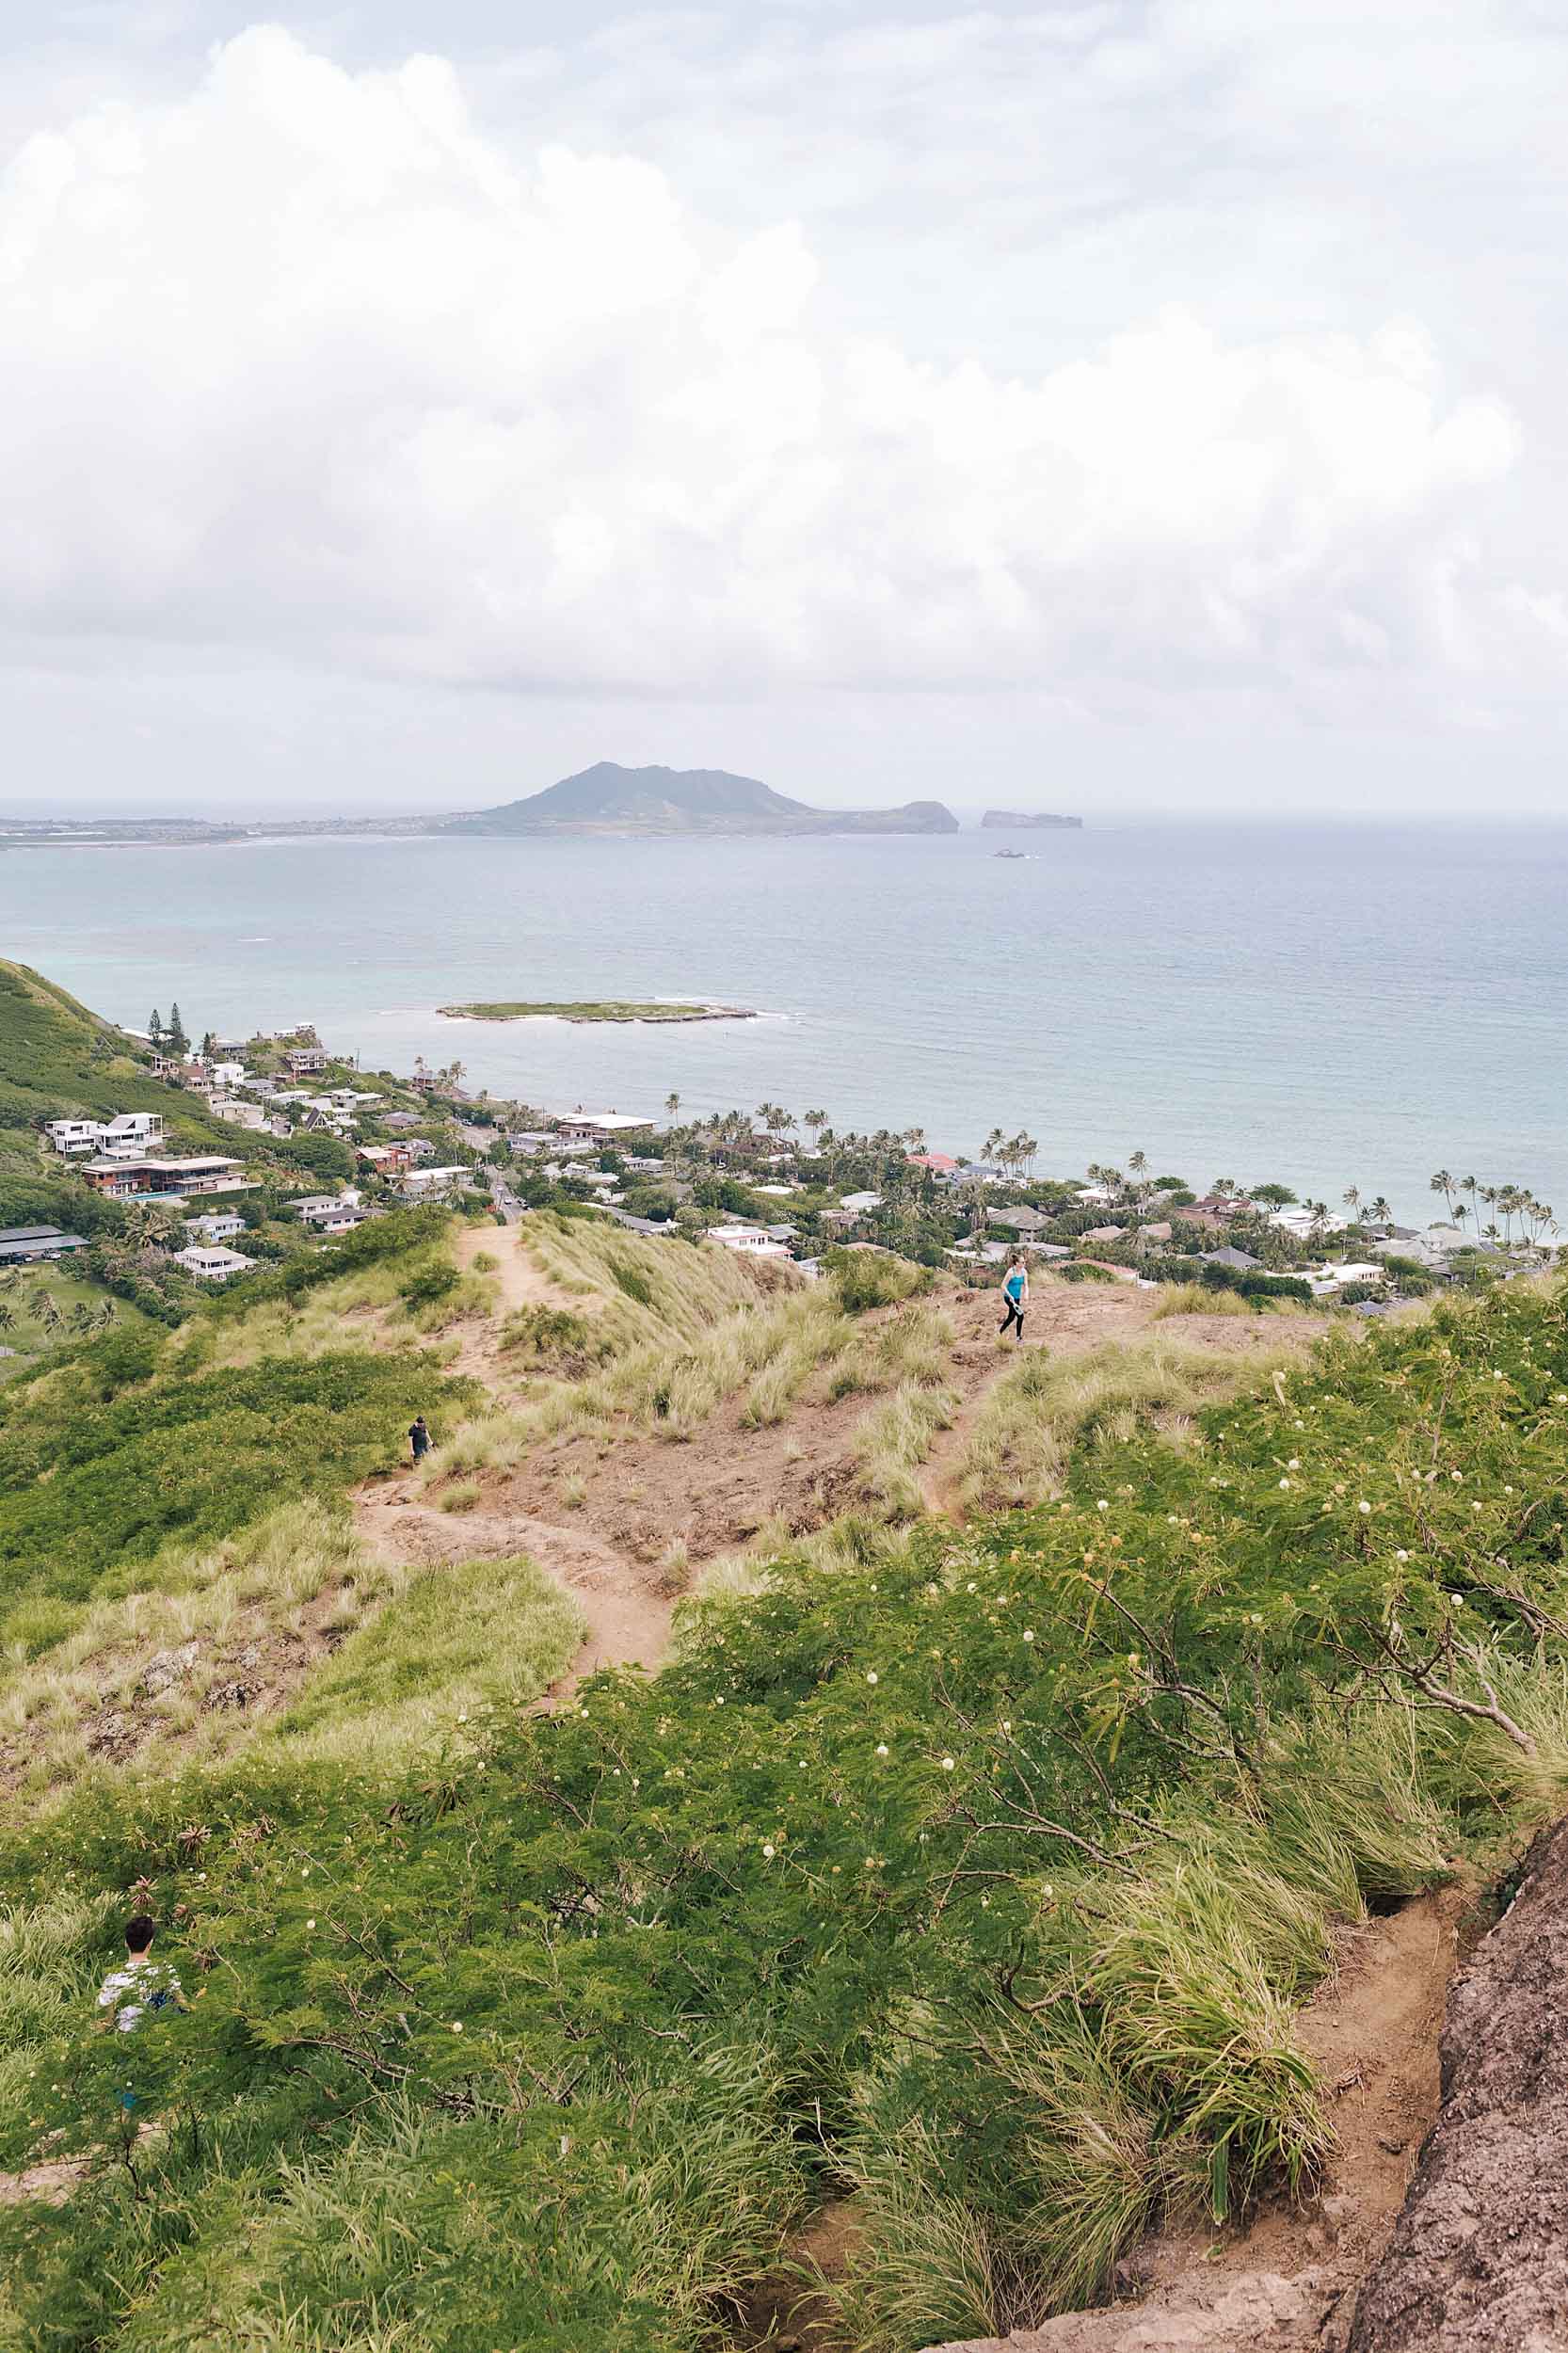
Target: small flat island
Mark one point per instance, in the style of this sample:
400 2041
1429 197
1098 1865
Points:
608 1009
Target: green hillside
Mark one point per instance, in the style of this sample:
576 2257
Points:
970 1873
59 1060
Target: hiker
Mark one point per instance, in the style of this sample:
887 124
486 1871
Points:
1014 1296
419 1438
138 1990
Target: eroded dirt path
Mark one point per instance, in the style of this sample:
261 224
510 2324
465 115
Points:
628 1616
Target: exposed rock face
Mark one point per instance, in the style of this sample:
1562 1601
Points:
1478 2258
1259 2313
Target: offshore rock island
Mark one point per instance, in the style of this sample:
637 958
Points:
1029 821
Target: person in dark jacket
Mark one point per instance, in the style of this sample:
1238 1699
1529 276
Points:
419 1439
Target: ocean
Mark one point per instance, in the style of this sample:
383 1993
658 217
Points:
1322 1007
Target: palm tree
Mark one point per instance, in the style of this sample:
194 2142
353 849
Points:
1137 1168
1381 1211
672 1103
914 1139
992 1145
816 1121
1470 1186
1351 1198
1441 1182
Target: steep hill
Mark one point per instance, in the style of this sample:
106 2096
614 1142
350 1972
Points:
688 1798
607 798
59 1061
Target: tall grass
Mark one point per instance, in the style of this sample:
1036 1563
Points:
894 1439
1199 1298
1045 1406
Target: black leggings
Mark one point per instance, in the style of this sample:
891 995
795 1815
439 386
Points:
1014 1315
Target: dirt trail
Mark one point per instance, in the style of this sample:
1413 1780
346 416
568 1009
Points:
1287 2281
517 1280
628 1618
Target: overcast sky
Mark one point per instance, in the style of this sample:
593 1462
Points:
1132 406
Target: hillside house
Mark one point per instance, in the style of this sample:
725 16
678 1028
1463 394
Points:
152 1178
384 1160
938 1164
210 1263
216 1225
423 1184
1236 1261
1103 1233
603 1128
749 1241
121 1138
227 1074
304 1061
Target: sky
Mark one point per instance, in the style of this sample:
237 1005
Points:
1140 407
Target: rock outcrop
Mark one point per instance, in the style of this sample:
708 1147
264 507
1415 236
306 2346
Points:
1479 2257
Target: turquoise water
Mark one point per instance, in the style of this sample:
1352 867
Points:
1326 1007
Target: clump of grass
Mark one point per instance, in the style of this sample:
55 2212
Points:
1047 1406
553 1337
1199 1298
574 1492
926 2267
894 1439
462 1496
483 1633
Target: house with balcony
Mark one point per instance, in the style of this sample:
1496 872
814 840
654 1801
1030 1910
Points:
152 1178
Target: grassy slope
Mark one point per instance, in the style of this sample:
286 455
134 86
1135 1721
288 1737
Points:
59 1060
980 1869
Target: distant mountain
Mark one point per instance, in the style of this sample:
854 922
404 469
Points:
609 799
1030 821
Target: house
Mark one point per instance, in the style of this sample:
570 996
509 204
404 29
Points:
1324 1281
420 1183
402 1119
939 1164
227 1074
859 1204
26 1245
121 1138
154 1178
213 1265
1021 1220
384 1160
748 1240
1238 1261
1305 1223
239 1114
603 1128
1155 1237
304 1061
1103 1233
318 1208
1095 1196
217 1225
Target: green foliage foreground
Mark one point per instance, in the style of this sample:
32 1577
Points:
976 1873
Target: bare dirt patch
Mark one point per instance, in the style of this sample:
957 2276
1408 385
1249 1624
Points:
628 1617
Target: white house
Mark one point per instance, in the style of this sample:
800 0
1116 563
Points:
213 1264
124 1137
748 1240
423 1181
217 1225
1300 1221
860 1203
604 1127
227 1074
1323 1281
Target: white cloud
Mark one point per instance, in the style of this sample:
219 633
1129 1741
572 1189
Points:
305 364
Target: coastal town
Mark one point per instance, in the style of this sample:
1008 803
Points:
275 1144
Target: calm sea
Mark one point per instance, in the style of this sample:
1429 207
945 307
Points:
1323 1007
